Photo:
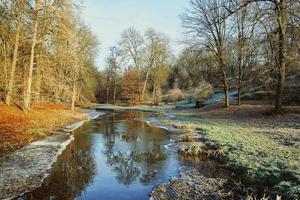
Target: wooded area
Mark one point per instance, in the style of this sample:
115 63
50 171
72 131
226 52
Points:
248 46
47 54
220 106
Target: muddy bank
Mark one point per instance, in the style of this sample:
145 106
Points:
26 168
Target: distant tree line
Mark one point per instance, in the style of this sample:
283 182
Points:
47 54
237 45
137 68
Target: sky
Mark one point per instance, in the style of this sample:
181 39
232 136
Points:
108 18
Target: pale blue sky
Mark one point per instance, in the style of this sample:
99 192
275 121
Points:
108 18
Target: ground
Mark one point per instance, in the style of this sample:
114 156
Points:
261 147
18 128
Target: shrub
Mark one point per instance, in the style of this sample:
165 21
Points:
130 86
185 138
175 95
194 149
203 91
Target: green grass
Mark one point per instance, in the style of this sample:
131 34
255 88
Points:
253 154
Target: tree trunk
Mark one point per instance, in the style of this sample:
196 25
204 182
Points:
14 62
281 53
239 100
115 91
5 66
39 82
27 99
145 84
107 92
240 66
73 96
225 84
139 80
226 95
154 89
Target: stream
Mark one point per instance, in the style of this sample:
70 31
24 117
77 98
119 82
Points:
117 156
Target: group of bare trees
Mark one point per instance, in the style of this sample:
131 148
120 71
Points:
147 56
46 53
244 36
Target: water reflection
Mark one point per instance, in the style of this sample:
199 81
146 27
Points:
102 163
131 165
70 175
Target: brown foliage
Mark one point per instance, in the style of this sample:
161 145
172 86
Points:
49 106
18 128
130 86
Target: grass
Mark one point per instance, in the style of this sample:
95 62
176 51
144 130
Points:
253 154
18 128
193 149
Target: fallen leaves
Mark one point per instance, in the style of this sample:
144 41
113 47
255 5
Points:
18 128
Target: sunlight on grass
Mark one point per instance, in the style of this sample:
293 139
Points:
251 153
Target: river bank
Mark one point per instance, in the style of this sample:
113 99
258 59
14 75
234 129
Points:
259 147
25 168
260 150
18 128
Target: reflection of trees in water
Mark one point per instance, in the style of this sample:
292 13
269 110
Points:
125 167
131 166
71 174
148 176
110 135
75 168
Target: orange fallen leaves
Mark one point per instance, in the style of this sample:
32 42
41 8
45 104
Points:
18 128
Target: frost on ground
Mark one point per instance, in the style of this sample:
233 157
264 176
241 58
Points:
25 169
191 184
260 147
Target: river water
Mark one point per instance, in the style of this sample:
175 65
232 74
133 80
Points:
117 156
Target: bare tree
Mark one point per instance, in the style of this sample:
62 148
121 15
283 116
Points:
277 12
113 63
244 45
18 7
27 98
131 46
45 53
206 24
155 46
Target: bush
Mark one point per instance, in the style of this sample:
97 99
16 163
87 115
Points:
194 149
203 91
185 138
174 95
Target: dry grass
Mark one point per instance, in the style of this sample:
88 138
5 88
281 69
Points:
186 138
193 149
203 91
174 95
18 128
